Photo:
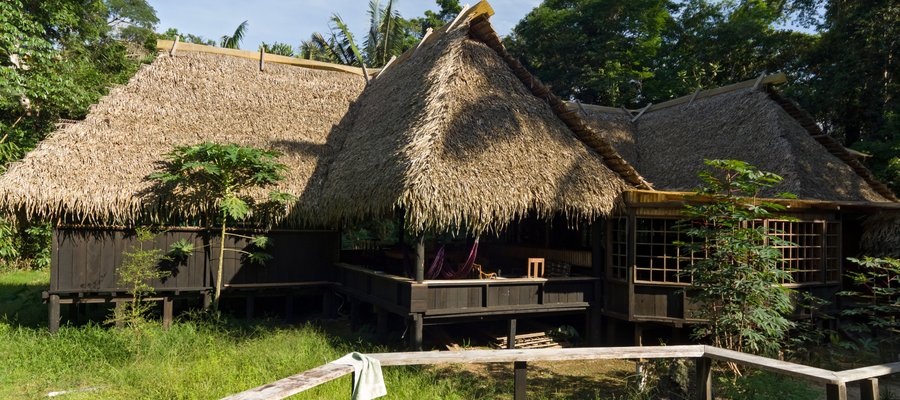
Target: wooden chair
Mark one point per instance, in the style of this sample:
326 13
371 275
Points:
535 267
482 274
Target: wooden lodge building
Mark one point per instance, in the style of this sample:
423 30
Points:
453 139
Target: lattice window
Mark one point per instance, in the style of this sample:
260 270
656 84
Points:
802 257
833 251
618 249
657 257
813 255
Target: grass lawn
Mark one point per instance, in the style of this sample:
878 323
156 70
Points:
203 360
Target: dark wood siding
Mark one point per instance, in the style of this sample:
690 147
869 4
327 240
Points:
86 259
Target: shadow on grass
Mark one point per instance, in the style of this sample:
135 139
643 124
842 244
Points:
20 298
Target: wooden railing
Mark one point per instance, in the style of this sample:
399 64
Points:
835 382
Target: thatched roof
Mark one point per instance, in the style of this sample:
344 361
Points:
450 134
668 143
881 236
95 170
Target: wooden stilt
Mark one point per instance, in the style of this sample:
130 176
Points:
381 328
354 314
53 314
417 332
511 335
207 300
168 306
289 308
119 313
328 308
520 380
251 305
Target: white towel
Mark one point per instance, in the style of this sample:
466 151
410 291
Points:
368 383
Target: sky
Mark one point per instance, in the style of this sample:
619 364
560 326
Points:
291 21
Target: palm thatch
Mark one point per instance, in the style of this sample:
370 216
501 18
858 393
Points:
881 236
450 134
668 145
96 170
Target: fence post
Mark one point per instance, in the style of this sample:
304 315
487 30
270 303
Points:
868 389
520 371
511 334
836 391
703 377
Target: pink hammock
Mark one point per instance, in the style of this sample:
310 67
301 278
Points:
437 266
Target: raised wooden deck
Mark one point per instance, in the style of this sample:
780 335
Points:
446 299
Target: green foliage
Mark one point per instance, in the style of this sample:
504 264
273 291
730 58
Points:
871 320
172 33
57 57
389 34
760 385
279 48
597 51
738 284
233 41
218 176
140 266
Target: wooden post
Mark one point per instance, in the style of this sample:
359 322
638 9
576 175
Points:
207 300
251 304
868 389
598 258
417 332
119 313
289 307
381 327
420 257
511 335
836 391
520 384
167 312
328 308
703 377
354 314
53 318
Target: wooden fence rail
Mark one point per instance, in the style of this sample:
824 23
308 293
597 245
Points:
835 382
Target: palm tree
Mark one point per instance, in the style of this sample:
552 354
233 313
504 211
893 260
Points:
387 33
387 36
234 41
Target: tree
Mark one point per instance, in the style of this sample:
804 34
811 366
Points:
219 175
57 57
279 48
597 51
172 33
131 20
233 41
737 285
389 35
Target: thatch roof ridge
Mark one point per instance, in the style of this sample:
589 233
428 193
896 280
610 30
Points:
173 47
482 30
743 124
452 137
831 145
625 140
95 171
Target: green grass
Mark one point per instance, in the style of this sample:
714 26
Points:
192 360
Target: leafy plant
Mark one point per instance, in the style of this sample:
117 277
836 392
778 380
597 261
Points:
872 321
220 174
139 267
738 284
